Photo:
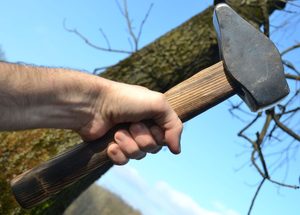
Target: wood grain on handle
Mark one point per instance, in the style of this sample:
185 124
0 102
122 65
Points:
200 92
189 98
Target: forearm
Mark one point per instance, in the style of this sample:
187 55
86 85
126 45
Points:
40 97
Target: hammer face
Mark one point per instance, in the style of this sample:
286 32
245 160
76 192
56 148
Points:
251 60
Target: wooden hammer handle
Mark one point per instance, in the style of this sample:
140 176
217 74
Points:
189 98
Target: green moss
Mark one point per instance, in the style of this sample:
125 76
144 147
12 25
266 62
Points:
22 150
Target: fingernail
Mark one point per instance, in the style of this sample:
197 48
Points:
120 136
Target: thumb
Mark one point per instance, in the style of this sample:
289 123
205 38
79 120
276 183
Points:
173 135
172 126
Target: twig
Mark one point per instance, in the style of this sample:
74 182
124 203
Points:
105 38
284 185
258 143
291 111
144 21
250 124
88 42
135 38
129 26
290 49
255 195
285 128
255 164
119 7
290 66
293 77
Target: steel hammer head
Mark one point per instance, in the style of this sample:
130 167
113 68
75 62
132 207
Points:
250 59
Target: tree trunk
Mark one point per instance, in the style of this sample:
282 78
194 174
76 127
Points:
167 61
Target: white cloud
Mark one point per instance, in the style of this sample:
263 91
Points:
159 199
178 202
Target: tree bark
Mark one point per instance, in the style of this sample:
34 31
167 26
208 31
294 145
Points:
167 61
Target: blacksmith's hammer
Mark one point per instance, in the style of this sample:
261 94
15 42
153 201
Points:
251 67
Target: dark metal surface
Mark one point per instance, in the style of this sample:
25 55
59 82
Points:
251 60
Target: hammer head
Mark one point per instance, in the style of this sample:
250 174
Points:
251 60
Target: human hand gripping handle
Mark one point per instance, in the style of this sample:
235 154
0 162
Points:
189 98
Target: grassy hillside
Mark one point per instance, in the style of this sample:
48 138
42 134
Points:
97 200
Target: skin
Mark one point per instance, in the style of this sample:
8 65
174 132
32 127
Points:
40 97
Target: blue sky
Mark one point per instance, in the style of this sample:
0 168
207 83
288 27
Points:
203 179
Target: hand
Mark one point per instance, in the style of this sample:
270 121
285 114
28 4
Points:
120 103
40 97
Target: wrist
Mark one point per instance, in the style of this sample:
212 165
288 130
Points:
40 97
72 100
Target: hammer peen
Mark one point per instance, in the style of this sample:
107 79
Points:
251 67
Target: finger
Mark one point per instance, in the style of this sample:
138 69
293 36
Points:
173 129
143 137
156 150
127 144
158 135
141 156
116 155
173 135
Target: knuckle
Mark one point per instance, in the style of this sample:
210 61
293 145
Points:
161 99
133 153
156 150
147 145
140 156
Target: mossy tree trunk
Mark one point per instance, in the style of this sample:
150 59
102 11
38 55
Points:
167 61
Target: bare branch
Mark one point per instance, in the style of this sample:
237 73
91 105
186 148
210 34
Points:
290 66
293 77
291 111
134 38
255 195
290 49
88 42
255 164
144 21
284 185
290 100
129 25
120 7
105 38
259 141
241 133
284 128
